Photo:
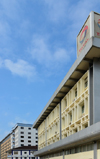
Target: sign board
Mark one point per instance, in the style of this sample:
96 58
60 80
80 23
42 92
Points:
91 28
83 36
97 25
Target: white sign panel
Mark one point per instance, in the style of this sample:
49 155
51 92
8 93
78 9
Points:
83 36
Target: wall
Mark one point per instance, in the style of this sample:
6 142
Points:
98 154
23 139
74 115
5 146
84 155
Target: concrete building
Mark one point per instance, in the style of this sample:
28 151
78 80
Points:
5 146
69 125
0 150
24 152
22 135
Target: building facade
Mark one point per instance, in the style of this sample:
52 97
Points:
69 125
23 135
24 152
5 146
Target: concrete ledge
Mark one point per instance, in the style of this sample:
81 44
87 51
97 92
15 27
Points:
91 133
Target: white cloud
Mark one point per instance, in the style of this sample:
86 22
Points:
57 9
21 68
41 52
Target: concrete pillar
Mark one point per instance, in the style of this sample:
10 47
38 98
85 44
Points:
46 131
96 90
29 154
12 154
95 150
63 154
60 120
91 94
21 154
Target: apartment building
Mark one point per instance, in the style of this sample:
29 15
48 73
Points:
25 152
5 146
22 136
0 150
69 125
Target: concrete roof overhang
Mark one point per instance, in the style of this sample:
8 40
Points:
87 135
80 66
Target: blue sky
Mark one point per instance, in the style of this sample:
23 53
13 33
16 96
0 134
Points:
37 48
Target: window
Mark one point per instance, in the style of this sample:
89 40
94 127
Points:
16 157
36 137
29 128
36 133
29 140
22 144
15 152
85 82
22 127
22 132
29 145
22 136
76 92
25 152
25 157
32 157
22 140
82 109
36 141
29 132
29 137
70 117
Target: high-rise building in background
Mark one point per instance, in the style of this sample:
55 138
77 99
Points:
21 142
23 135
69 125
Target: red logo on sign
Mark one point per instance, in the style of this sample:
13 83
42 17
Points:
83 34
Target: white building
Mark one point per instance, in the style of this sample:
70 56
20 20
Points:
24 152
23 135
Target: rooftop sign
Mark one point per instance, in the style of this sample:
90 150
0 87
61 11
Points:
91 28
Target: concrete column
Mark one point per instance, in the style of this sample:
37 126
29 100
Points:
12 154
95 150
60 120
63 154
96 90
21 154
91 94
29 154
46 131
92 24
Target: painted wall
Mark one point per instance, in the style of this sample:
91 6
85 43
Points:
98 154
26 137
83 155
74 115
